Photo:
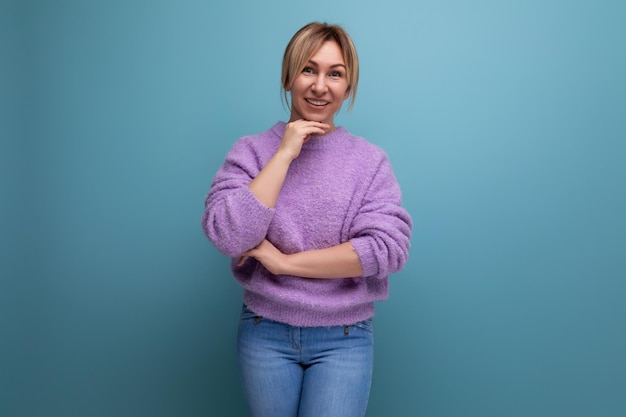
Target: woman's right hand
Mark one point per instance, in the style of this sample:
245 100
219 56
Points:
297 133
267 184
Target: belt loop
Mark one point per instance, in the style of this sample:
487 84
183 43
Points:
346 330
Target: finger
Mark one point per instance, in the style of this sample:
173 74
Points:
319 128
317 123
304 123
315 132
243 259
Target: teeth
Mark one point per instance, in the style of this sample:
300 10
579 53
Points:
317 103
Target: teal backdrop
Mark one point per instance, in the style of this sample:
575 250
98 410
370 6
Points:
504 120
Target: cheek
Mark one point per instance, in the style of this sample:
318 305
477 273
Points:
342 90
298 87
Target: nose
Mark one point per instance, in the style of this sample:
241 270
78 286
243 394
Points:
319 85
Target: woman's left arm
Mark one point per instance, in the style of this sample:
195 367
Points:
378 244
340 261
381 230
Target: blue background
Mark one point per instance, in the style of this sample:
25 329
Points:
505 124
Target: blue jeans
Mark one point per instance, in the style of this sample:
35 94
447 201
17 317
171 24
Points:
289 371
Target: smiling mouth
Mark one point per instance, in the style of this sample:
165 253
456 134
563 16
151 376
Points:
316 102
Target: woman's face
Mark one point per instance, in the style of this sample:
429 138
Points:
320 89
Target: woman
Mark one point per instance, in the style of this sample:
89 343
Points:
312 217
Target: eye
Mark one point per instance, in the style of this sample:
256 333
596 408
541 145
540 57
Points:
307 70
336 74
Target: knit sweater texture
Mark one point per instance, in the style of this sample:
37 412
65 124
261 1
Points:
341 188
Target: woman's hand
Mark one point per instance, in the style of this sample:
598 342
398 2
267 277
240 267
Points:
268 255
297 133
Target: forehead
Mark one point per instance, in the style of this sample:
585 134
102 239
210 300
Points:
329 53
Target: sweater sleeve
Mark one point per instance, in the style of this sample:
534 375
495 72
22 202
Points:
234 220
381 230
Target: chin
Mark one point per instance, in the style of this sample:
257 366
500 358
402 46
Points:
318 118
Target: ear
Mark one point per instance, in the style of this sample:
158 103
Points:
347 93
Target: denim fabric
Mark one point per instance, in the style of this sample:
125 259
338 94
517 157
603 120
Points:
289 371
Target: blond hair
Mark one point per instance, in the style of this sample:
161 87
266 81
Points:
306 42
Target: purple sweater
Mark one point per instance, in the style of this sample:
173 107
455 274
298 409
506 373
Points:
341 188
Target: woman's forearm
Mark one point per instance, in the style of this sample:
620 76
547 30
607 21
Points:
339 261
268 183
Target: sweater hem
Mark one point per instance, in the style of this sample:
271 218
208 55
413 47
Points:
307 315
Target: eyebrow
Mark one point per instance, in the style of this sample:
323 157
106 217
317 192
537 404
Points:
332 66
